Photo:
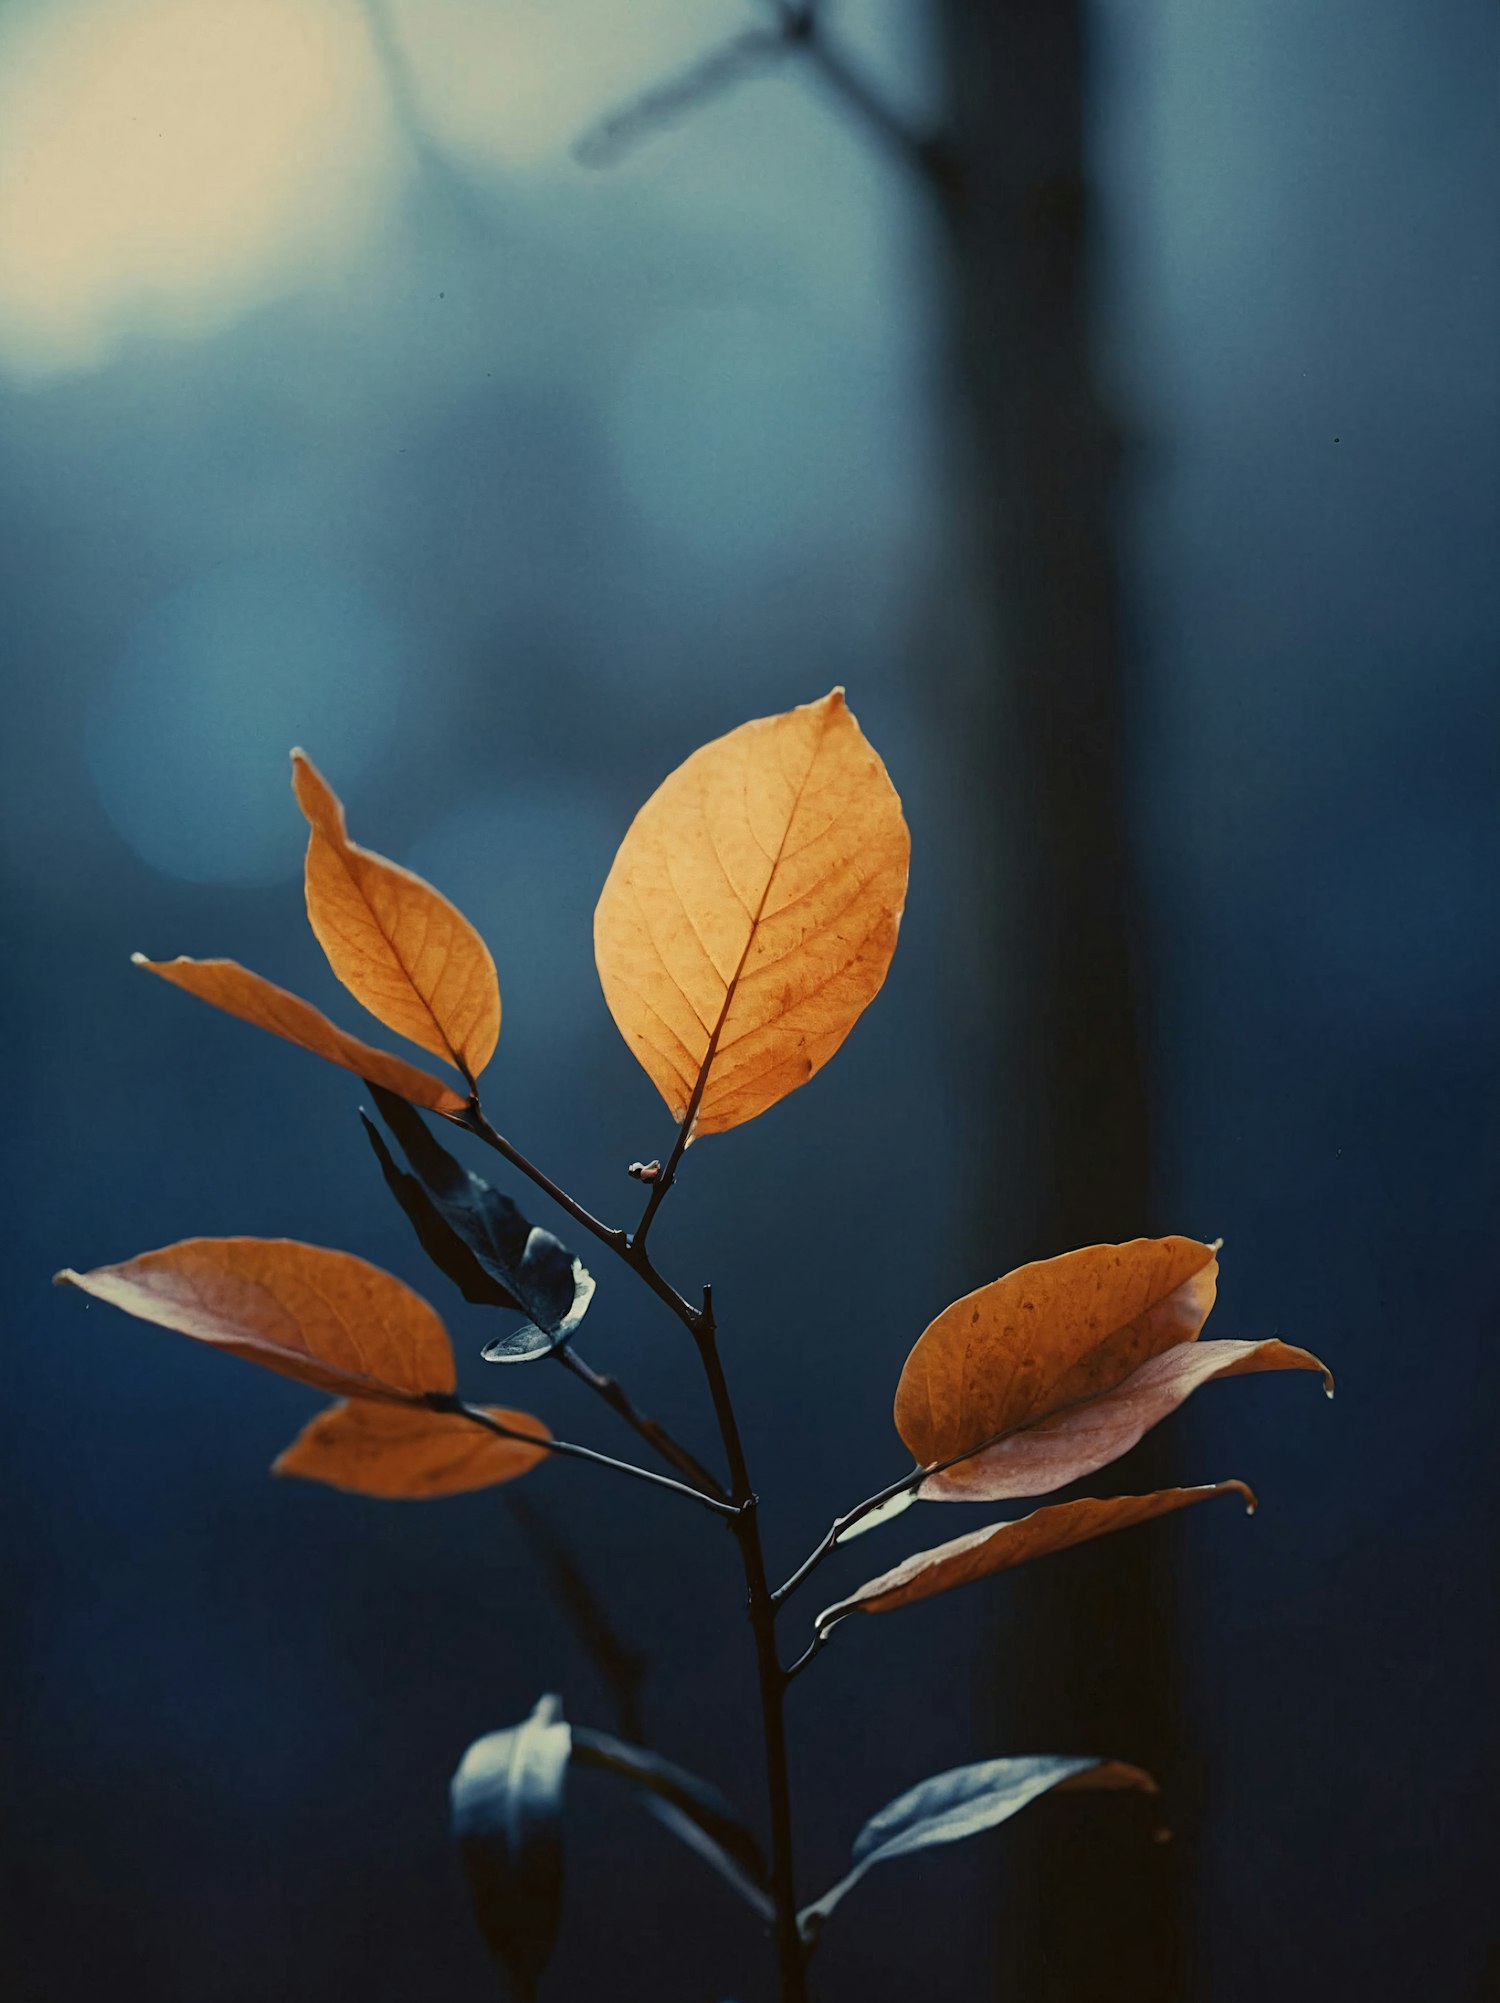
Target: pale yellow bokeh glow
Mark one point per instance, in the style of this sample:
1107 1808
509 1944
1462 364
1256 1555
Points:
166 164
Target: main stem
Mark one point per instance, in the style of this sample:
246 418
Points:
742 1510
790 1958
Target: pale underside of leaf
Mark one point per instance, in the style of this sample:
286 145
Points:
1087 1437
408 1453
530 1343
323 1317
999 1547
1049 1334
752 911
228 986
396 943
884 1512
967 1801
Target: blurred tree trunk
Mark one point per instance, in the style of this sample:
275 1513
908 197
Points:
1089 1911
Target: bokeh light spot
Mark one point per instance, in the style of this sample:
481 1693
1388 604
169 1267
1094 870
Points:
165 164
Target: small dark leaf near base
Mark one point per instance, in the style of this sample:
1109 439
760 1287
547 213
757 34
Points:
507 1808
507 1804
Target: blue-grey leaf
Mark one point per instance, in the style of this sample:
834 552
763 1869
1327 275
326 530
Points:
718 1831
439 1241
507 1803
535 1272
962 1802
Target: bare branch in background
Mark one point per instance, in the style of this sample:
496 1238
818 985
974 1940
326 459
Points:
798 32
734 62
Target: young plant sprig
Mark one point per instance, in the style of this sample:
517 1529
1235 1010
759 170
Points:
748 920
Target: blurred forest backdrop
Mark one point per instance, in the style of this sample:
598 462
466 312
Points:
1148 507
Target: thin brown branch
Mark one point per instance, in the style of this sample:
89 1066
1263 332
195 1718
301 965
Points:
655 1434
566 1450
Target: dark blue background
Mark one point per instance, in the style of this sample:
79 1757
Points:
502 515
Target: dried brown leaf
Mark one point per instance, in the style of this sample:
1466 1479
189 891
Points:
1087 1437
1049 1334
407 1453
1001 1546
751 913
237 991
323 1317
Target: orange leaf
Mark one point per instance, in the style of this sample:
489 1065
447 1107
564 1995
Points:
1087 1437
404 1452
1002 1546
397 944
751 913
323 1317
1046 1335
237 991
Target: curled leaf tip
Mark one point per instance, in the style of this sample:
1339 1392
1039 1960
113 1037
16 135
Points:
315 796
139 960
66 1278
1216 1245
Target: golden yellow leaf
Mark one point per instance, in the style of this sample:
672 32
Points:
405 1452
323 1317
237 991
1086 1437
1047 1335
1002 1546
751 913
397 944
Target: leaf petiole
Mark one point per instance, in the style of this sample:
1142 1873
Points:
444 1402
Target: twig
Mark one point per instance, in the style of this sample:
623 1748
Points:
651 1430
741 1510
790 1952
815 1647
473 1121
568 1451
841 1525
